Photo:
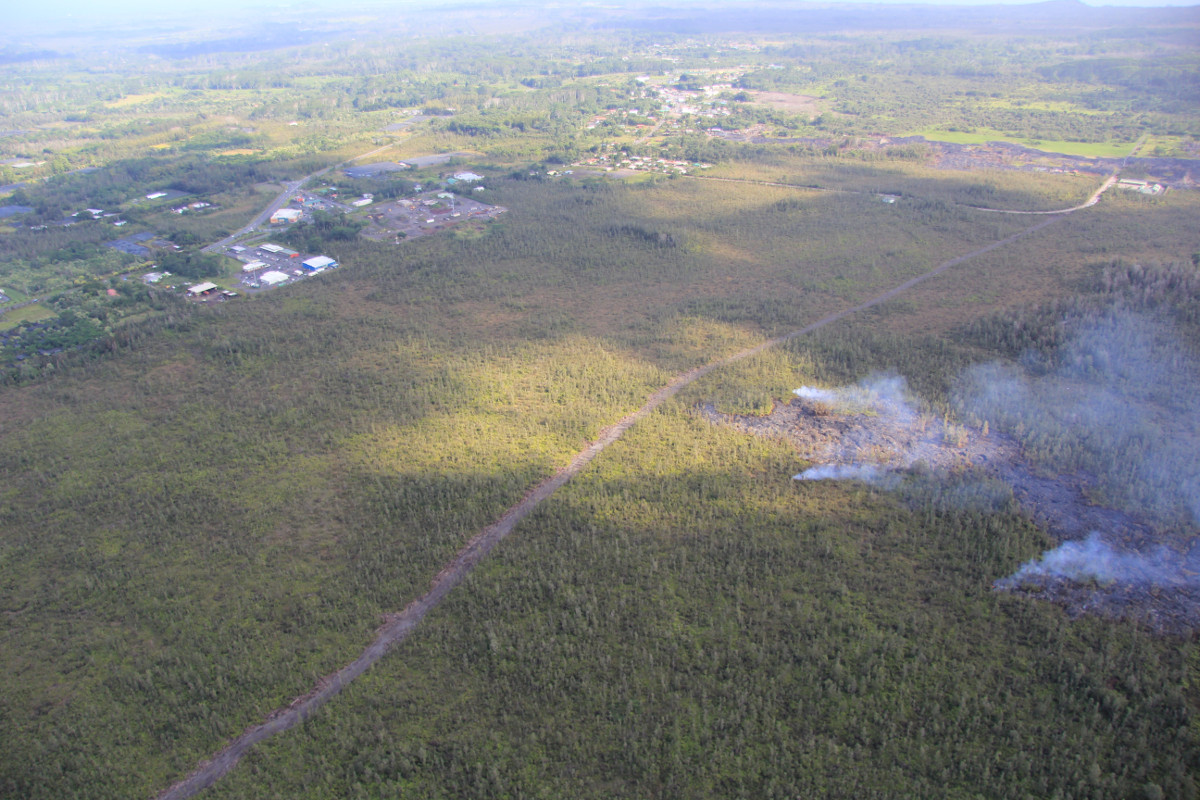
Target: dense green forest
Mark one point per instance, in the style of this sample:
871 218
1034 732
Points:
205 508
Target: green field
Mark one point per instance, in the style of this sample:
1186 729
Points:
1088 149
33 313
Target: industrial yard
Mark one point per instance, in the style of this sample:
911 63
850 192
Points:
428 212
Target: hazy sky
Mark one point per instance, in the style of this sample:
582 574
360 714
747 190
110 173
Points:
212 13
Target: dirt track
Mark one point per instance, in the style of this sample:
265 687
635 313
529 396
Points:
1091 201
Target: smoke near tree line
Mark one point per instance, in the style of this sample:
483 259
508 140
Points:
1111 418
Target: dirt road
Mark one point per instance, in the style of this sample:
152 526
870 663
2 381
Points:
289 189
396 630
1091 201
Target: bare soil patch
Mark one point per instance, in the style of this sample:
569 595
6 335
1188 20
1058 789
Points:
785 101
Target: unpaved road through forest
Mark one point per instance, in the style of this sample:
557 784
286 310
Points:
1091 201
400 625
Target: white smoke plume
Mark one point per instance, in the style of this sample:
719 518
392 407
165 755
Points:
814 393
883 393
1121 402
880 432
868 473
1094 558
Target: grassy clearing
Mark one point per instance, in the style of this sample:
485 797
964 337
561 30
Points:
1167 146
137 99
232 212
1010 189
32 313
1088 149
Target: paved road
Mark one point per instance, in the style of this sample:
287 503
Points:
397 629
290 188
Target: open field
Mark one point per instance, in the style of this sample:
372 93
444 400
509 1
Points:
991 188
1090 149
794 103
31 313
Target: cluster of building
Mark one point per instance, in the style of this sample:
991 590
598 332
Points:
94 213
640 164
410 217
203 291
1142 187
271 264
267 265
673 102
196 206
704 103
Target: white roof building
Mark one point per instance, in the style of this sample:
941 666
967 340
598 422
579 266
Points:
320 262
201 288
467 176
276 249
287 215
273 277
253 265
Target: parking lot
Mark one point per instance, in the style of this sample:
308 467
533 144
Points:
263 264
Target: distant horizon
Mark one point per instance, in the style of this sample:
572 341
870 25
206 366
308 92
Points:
51 11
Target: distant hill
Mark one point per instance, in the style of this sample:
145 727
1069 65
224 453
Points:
9 57
273 39
823 19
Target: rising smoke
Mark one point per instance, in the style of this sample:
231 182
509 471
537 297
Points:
1120 402
1117 409
889 434
868 473
881 393
1094 558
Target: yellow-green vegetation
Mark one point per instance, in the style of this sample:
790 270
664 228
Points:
684 620
294 467
848 171
1090 149
204 509
30 313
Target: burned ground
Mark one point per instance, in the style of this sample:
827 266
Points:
1128 568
